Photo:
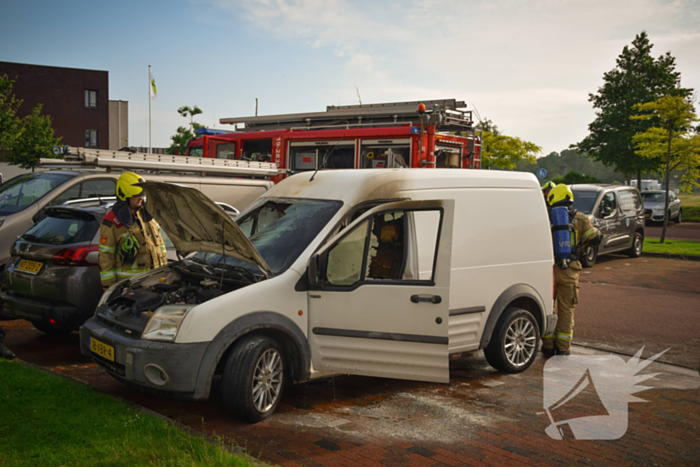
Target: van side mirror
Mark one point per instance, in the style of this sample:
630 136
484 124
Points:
313 271
606 211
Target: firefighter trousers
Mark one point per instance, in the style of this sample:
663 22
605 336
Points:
566 281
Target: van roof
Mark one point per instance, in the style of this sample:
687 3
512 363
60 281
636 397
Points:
354 186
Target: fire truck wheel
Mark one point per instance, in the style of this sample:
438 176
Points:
514 343
253 378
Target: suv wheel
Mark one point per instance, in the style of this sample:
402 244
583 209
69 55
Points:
680 216
589 257
253 378
637 245
514 343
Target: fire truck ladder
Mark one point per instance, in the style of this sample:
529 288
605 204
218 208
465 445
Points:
446 114
94 158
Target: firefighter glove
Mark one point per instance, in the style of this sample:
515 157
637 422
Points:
129 249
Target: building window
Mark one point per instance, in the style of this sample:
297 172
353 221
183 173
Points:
90 99
91 140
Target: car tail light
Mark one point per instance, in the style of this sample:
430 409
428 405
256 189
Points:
74 256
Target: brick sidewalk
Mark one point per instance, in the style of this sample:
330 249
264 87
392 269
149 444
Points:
482 418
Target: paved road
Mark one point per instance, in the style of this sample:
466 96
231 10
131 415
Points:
689 231
481 417
653 302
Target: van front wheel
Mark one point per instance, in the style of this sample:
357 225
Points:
253 378
513 346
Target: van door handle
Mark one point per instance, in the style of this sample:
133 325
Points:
426 298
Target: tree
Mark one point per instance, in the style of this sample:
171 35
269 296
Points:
183 134
9 123
504 152
672 142
636 79
34 140
572 178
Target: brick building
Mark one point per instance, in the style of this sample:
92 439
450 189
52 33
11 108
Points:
77 100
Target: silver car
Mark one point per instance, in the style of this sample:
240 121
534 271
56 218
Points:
654 201
23 198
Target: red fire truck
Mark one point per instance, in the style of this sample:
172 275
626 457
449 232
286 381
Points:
428 134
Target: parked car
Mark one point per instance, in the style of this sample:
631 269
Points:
53 276
654 204
616 211
366 272
23 198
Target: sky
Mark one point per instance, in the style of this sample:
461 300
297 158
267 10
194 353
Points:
527 66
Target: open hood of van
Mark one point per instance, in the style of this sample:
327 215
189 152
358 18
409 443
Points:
195 223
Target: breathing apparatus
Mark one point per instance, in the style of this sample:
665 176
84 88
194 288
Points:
560 198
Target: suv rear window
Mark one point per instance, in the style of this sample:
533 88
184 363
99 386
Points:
63 226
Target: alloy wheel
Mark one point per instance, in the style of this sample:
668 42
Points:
267 380
520 342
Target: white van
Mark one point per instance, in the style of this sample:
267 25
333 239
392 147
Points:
366 272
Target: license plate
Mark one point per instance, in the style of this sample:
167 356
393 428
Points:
32 267
102 349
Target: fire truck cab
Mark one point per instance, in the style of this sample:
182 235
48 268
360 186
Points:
429 134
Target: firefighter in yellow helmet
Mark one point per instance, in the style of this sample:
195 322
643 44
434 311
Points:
566 271
130 239
546 188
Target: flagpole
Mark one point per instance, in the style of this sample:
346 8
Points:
150 147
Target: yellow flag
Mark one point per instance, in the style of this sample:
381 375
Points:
154 90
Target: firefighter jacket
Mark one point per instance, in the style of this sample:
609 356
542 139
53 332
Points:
118 224
583 234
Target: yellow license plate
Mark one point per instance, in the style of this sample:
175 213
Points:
32 267
102 349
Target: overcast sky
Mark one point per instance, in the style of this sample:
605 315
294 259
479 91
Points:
527 66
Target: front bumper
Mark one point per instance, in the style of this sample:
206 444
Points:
163 367
65 316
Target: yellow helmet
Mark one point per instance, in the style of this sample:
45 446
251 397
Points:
560 195
126 188
548 186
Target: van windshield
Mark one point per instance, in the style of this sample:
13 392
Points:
24 190
280 229
584 201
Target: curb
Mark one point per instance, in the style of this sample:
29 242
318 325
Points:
672 256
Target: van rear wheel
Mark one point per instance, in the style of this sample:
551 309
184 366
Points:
513 346
253 379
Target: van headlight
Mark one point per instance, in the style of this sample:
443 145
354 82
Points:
165 323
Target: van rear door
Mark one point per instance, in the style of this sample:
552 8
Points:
376 311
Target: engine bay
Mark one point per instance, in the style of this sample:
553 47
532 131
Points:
184 283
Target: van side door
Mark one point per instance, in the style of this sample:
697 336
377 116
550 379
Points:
611 223
373 309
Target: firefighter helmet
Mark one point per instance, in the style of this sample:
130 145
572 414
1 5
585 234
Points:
548 186
126 188
560 195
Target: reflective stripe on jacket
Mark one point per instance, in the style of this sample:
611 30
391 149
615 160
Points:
151 253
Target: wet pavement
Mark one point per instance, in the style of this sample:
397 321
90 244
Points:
482 417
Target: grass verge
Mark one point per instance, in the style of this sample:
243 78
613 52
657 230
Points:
49 420
675 247
691 207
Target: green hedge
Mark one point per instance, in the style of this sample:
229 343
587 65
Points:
691 213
